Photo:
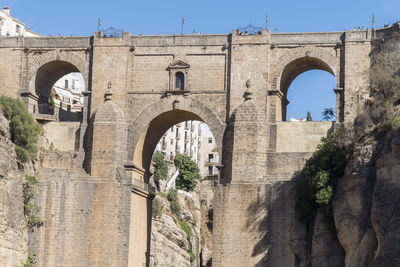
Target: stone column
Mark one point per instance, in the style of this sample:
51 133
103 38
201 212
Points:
108 139
30 100
339 104
276 106
236 218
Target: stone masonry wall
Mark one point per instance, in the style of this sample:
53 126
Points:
234 80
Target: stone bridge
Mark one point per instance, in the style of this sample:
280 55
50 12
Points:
94 193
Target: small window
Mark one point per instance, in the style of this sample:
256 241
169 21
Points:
73 84
172 129
179 81
172 141
210 157
66 84
17 29
210 170
210 140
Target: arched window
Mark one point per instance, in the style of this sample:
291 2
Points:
179 81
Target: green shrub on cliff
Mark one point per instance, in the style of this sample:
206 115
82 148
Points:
24 129
31 210
31 259
174 203
157 208
160 166
316 185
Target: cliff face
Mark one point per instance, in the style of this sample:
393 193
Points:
13 229
175 239
366 203
366 206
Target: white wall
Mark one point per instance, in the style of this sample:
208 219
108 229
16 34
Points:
8 26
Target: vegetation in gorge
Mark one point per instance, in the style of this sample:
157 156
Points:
31 210
24 129
160 166
316 185
189 173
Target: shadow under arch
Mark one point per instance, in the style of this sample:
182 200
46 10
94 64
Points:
156 119
48 74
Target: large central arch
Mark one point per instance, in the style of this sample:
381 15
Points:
143 136
156 119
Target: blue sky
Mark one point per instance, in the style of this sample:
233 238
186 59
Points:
210 16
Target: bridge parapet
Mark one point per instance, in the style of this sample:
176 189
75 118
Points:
301 38
46 42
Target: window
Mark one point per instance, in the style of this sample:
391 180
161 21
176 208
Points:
17 29
179 81
177 132
209 140
172 129
73 84
172 141
210 157
66 84
210 170
163 141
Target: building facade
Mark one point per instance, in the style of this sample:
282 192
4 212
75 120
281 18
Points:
10 26
67 92
183 138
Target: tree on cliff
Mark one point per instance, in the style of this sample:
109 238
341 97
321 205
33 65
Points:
309 118
160 166
189 173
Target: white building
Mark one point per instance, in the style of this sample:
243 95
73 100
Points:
194 139
208 155
183 138
67 92
10 26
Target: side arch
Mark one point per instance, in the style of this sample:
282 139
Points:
291 65
153 121
37 61
313 57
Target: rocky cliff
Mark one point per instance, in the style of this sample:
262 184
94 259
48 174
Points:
13 229
366 205
175 232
